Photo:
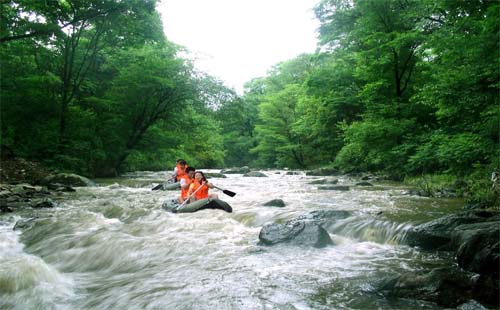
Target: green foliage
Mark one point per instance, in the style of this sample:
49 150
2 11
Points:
95 88
373 145
433 184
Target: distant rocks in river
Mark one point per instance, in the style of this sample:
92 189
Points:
323 172
324 181
67 179
215 175
364 184
241 170
255 174
334 188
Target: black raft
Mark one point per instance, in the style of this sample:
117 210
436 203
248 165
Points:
202 204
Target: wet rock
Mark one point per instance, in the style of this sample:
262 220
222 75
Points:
445 286
334 188
437 234
241 170
215 175
60 187
46 203
471 305
363 184
293 173
478 247
67 179
255 174
25 223
486 290
324 181
322 217
301 233
474 237
5 209
275 203
323 172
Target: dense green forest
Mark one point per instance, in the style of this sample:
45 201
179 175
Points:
400 87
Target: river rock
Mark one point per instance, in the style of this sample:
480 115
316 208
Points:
45 203
323 172
363 184
215 175
300 233
25 223
275 203
67 179
324 181
334 188
241 170
471 305
445 286
324 218
478 247
255 174
437 234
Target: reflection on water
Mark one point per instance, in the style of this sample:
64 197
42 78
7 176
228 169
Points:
113 247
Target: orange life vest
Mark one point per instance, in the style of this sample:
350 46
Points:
189 181
180 172
200 194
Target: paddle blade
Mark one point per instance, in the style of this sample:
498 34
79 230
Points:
229 193
157 187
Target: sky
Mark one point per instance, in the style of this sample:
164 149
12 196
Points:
237 40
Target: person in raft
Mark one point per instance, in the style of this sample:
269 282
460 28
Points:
179 170
202 193
185 182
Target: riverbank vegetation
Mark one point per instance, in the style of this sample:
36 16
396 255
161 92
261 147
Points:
405 88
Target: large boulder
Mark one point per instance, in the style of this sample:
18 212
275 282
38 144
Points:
67 179
437 234
478 247
445 286
302 233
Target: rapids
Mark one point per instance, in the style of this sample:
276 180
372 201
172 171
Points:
113 247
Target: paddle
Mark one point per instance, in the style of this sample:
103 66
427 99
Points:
157 187
160 186
188 198
227 192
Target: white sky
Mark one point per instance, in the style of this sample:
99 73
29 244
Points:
237 40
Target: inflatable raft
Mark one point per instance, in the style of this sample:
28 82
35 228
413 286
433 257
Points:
207 203
167 186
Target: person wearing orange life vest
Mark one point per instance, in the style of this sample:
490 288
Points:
179 170
185 182
202 193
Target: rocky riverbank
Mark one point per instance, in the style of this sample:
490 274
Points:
27 184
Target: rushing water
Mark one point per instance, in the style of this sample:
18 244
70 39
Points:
113 247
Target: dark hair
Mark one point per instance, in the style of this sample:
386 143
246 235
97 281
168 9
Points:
181 162
188 169
202 175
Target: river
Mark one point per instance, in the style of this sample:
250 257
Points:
113 247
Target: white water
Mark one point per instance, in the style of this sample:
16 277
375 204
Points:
113 247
